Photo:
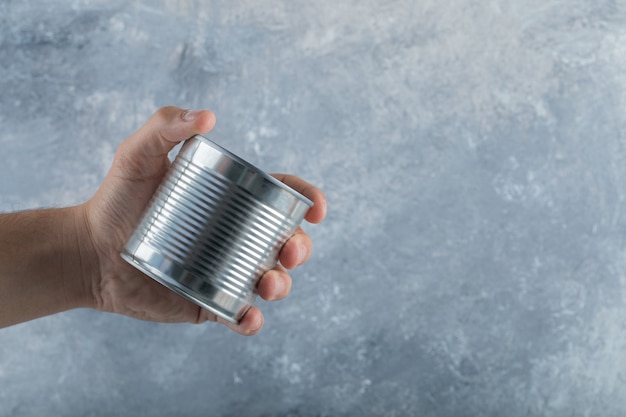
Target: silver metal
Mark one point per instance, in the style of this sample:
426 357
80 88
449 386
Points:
214 227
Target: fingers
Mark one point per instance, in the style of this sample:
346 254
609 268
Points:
144 153
168 127
297 250
317 213
250 324
274 284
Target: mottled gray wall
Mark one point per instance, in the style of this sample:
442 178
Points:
474 157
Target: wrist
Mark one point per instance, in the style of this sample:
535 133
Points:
46 263
80 265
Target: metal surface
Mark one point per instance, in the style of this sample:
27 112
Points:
214 227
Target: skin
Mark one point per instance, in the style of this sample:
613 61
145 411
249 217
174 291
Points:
59 259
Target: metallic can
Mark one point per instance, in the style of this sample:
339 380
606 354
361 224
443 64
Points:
214 226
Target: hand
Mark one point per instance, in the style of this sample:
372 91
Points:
110 216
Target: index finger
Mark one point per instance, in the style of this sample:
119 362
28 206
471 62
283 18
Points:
317 213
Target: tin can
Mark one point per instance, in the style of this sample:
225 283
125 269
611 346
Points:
214 226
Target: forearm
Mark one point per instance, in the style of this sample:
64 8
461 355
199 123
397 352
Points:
43 263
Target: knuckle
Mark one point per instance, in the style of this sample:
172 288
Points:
165 113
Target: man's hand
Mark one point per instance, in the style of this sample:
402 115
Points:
110 216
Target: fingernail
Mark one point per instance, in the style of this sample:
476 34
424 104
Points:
190 115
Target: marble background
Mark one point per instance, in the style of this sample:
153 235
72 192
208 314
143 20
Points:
474 156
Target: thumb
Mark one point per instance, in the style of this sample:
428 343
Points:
145 151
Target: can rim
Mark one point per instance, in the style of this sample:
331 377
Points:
255 169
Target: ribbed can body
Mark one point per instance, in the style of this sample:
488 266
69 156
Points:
214 227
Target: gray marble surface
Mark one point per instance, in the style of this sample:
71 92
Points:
474 157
